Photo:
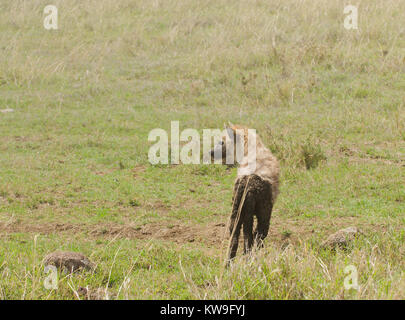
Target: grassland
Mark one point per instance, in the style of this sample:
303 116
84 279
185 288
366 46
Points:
74 173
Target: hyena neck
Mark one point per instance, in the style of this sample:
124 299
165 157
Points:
248 164
263 165
261 162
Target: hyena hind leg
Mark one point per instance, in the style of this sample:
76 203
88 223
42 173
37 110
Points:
245 220
248 233
263 214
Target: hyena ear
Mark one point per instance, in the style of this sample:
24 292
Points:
231 133
228 125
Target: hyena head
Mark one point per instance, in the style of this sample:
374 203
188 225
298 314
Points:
233 145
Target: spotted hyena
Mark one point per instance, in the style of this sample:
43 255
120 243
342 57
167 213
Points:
256 186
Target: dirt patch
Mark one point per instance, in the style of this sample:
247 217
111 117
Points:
291 230
157 206
210 234
137 170
45 228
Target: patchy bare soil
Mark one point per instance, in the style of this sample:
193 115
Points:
212 234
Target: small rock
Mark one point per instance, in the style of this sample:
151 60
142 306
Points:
341 238
69 261
6 110
93 294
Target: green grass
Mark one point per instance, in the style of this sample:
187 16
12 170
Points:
328 102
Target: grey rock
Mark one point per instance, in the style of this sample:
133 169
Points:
68 261
341 238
